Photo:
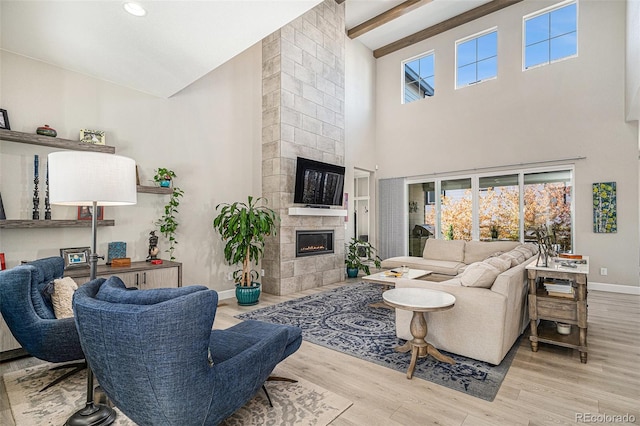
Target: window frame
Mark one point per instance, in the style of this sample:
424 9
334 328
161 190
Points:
541 12
431 52
466 39
475 178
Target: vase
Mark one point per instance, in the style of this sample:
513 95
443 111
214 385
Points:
46 131
352 272
165 183
248 295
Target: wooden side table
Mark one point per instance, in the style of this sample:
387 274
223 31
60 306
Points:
571 310
419 300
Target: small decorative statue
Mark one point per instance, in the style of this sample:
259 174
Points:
153 246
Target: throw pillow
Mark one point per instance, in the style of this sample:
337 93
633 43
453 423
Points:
526 252
514 257
499 263
532 247
479 274
63 289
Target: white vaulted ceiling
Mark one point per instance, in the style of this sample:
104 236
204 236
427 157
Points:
178 41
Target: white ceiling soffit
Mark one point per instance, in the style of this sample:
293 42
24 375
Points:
176 43
432 13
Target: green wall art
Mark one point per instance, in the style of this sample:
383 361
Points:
605 211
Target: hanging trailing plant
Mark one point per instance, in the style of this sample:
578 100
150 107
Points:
168 223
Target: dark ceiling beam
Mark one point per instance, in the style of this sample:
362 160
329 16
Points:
384 17
443 26
340 1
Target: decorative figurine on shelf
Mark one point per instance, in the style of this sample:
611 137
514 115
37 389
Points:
36 198
153 247
47 205
46 131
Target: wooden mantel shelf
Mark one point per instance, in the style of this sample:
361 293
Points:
35 139
20 223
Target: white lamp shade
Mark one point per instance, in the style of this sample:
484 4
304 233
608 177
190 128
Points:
80 178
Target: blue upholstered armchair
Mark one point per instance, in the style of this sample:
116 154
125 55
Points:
28 312
156 357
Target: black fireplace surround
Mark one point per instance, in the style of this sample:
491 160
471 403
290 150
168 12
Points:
311 243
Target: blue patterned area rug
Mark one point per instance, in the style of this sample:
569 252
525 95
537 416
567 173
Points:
341 319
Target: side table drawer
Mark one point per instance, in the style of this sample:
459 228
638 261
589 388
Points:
548 307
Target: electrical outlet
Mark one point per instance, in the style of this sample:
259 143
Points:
603 271
230 276
262 272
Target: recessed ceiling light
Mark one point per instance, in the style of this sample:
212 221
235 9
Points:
135 9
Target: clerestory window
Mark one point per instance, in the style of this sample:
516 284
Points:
418 78
550 35
477 58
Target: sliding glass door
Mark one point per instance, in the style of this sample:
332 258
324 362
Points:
505 206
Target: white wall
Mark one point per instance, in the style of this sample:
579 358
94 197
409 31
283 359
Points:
568 109
360 116
209 134
633 60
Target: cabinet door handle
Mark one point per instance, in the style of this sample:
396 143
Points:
137 280
144 278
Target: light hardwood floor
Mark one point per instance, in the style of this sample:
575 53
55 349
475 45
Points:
543 388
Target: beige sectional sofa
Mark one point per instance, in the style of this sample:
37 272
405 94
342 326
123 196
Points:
489 282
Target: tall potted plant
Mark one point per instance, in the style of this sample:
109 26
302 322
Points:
358 256
244 228
168 223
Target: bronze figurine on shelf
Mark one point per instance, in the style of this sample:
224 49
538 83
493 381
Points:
153 246
36 198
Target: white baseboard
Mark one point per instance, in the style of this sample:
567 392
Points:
226 294
614 288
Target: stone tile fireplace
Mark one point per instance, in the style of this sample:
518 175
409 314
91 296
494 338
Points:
303 94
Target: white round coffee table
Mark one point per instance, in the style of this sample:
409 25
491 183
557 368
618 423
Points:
419 300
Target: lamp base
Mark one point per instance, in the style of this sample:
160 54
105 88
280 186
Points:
92 415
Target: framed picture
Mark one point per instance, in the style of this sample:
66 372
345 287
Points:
95 137
4 119
76 257
85 212
605 208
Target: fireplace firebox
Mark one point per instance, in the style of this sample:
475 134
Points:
310 243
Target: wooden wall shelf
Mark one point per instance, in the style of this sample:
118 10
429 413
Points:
154 190
19 223
35 139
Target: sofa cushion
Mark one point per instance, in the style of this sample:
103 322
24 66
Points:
479 274
477 251
448 250
443 267
499 263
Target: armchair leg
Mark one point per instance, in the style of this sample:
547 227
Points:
76 366
276 379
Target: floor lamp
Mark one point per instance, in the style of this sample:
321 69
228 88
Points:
91 179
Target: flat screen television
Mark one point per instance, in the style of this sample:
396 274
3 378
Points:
318 184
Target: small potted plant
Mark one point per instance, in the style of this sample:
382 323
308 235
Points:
168 223
358 256
163 177
244 228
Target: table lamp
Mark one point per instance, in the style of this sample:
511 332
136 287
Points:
91 179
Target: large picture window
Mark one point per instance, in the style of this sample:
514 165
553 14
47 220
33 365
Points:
550 35
505 206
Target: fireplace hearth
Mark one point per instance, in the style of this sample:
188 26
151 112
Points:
311 243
